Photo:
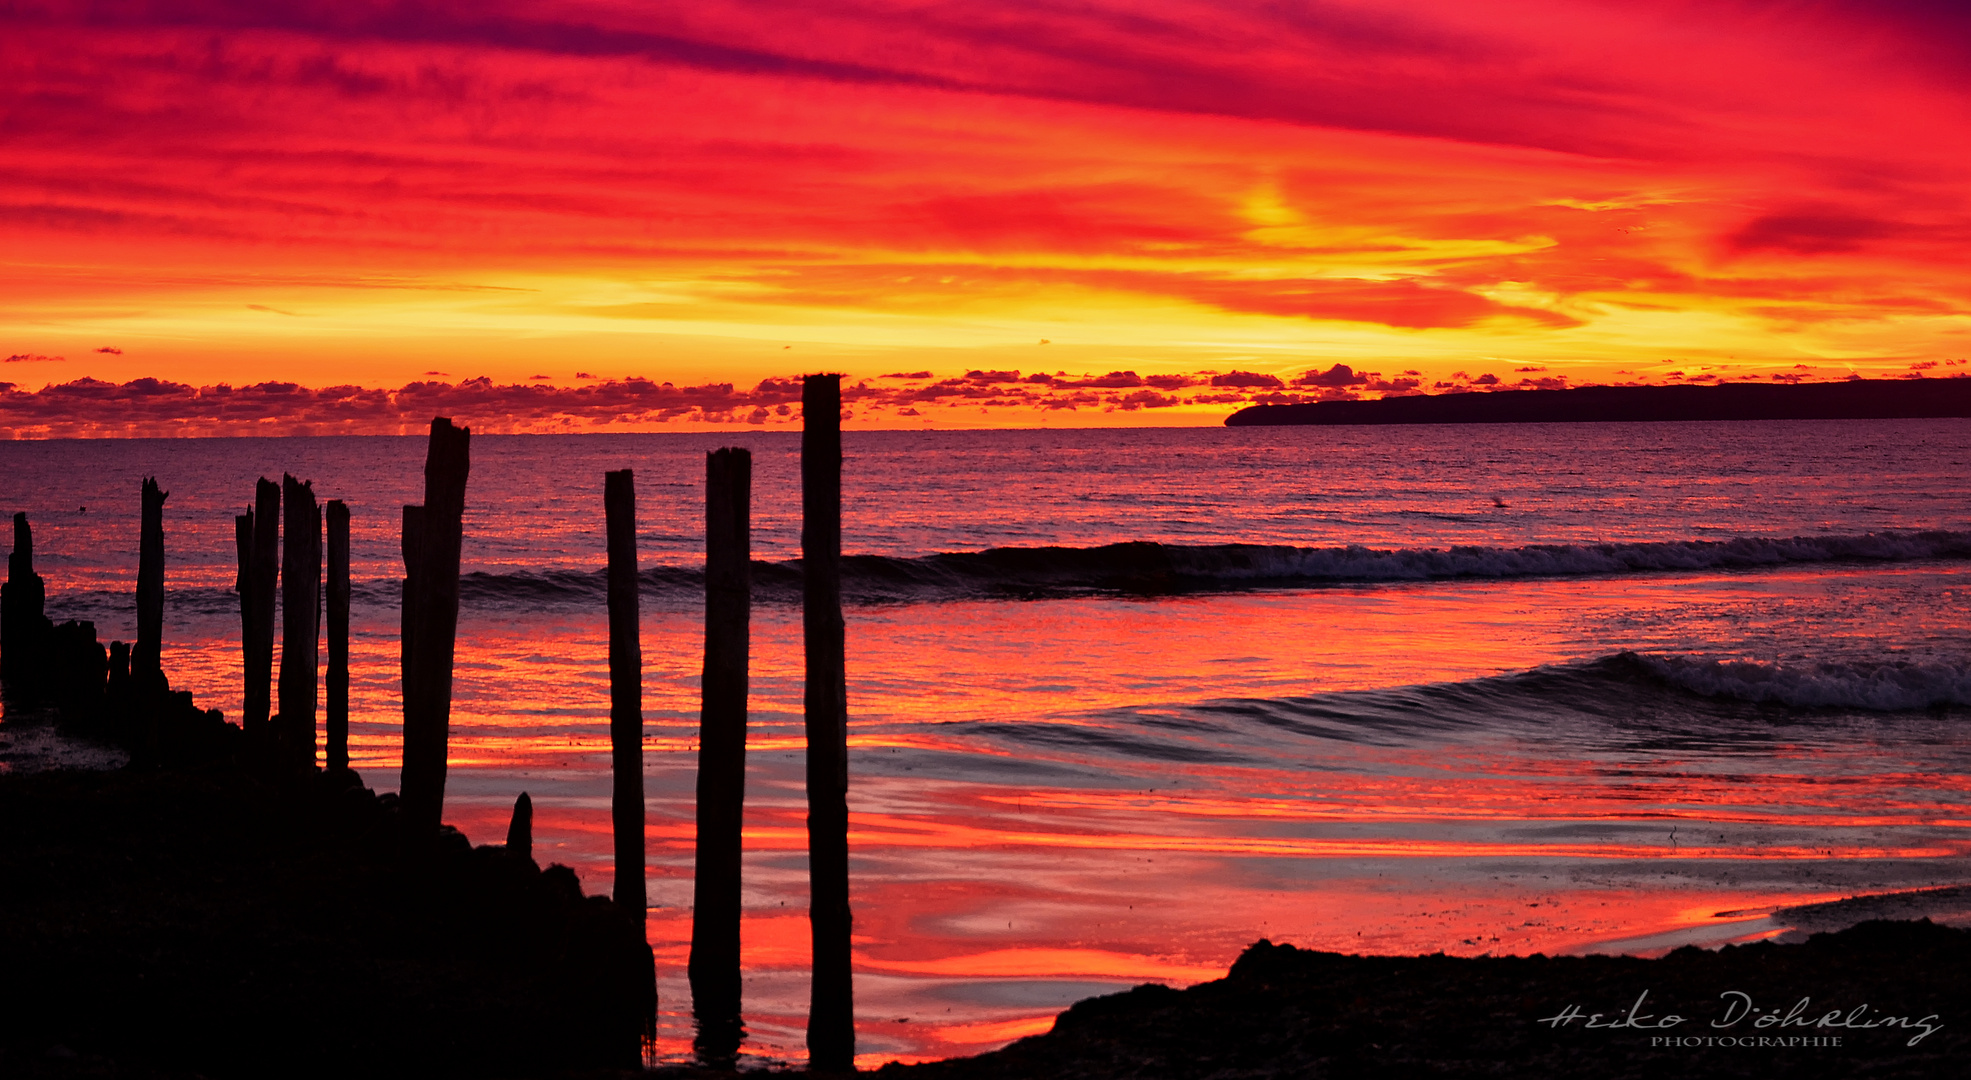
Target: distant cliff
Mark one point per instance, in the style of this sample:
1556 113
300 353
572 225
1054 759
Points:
1863 399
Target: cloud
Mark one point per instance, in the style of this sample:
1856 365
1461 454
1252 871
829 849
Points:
1338 375
1082 167
33 358
1812 233
1247 379
90 407
111 349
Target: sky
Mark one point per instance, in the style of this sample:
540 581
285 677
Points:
229 217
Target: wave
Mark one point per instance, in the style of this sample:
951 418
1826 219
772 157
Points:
1144 568
1141 568
1626 703
1887 686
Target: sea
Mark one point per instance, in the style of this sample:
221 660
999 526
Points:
1123 702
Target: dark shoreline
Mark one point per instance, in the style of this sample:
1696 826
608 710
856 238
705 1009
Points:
1859 399
211 922
1285 1012
220 921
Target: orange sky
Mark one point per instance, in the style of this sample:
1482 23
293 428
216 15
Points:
373 195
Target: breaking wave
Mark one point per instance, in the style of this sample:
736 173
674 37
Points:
1141 568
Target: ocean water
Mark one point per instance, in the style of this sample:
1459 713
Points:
1122 702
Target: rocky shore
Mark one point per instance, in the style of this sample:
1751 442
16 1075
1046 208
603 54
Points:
1882 999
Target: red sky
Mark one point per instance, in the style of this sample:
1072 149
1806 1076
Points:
347 198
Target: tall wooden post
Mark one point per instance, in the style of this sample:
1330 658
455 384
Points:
338 635
263 578
715 984
301 623
146 666
831 1007
625 689
412 545
432 539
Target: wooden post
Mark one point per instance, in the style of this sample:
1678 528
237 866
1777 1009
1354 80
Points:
625 690
433 537
412 544
715 983
301 623
831 1006
338 635
243 585
263 578
146 666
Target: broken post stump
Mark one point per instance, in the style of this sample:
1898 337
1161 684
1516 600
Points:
24 625
263 580
520 828
146 665
714 966
831 1007
337 725
432 539
625 690
301 622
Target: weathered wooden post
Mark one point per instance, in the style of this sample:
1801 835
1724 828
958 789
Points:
263 577
146 662
715 983
243 582
338 635
301 623
625 690
831 1006
433 536
412 543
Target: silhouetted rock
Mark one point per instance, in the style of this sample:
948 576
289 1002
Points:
1288 1012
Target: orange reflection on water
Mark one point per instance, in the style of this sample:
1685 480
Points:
1039 815
1046 963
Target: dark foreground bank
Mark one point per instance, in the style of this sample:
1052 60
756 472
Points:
214 922
1883 999
1860 399
222 922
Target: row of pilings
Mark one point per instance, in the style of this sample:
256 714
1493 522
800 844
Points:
34 652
